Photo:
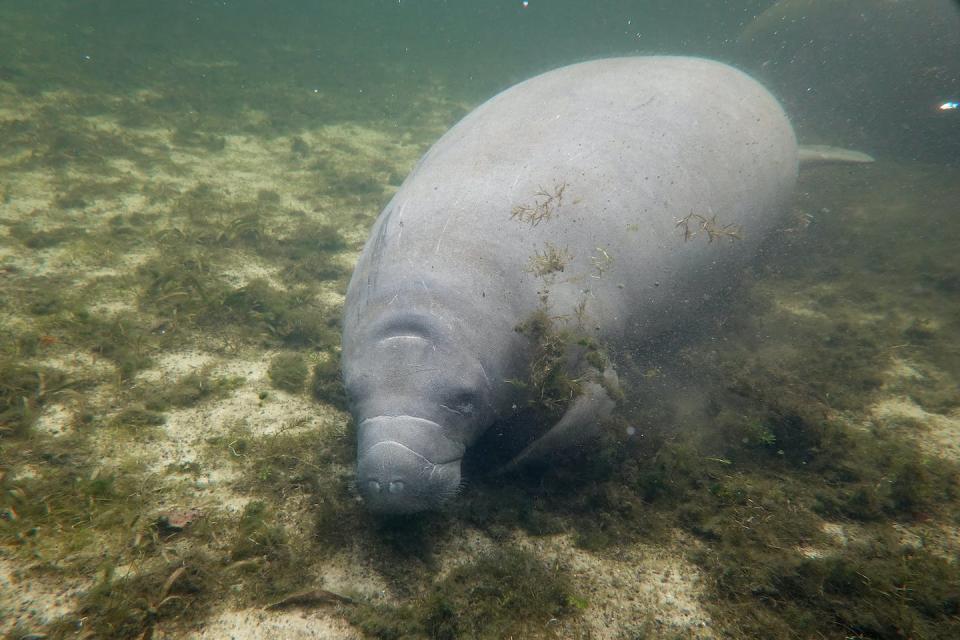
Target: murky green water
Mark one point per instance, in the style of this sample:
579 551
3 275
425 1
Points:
184 189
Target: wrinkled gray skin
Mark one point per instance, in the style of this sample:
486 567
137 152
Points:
636 144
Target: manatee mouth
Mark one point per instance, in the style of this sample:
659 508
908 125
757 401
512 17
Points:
395 472
395 479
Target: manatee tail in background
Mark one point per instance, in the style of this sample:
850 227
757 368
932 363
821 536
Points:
780 13
824 154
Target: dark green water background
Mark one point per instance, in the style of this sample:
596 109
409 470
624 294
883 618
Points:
864 73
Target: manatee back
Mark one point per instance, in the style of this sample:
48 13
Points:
649 180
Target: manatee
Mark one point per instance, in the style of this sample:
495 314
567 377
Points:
604 202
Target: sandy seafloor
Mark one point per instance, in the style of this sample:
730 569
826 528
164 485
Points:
872 255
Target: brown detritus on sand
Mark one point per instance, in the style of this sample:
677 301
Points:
309 598
176 520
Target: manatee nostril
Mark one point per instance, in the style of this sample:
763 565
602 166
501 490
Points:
392 478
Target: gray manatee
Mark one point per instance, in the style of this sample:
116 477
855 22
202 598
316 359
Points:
610 199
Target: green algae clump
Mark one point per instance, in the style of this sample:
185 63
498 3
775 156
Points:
550 385
288 372
190 390
507 592
504 593
327 383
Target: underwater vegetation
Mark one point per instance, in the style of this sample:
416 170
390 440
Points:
23 392
189 390
806 514
550 385
326 384
74 510
288 371
504 593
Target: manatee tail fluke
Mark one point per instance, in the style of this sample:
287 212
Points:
824 154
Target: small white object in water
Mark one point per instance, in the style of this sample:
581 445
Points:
949 106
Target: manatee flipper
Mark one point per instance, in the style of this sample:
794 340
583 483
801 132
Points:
580 422
823 154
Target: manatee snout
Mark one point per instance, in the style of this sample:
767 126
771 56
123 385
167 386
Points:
406 464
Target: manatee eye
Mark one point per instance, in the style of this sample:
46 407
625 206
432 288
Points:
463 402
